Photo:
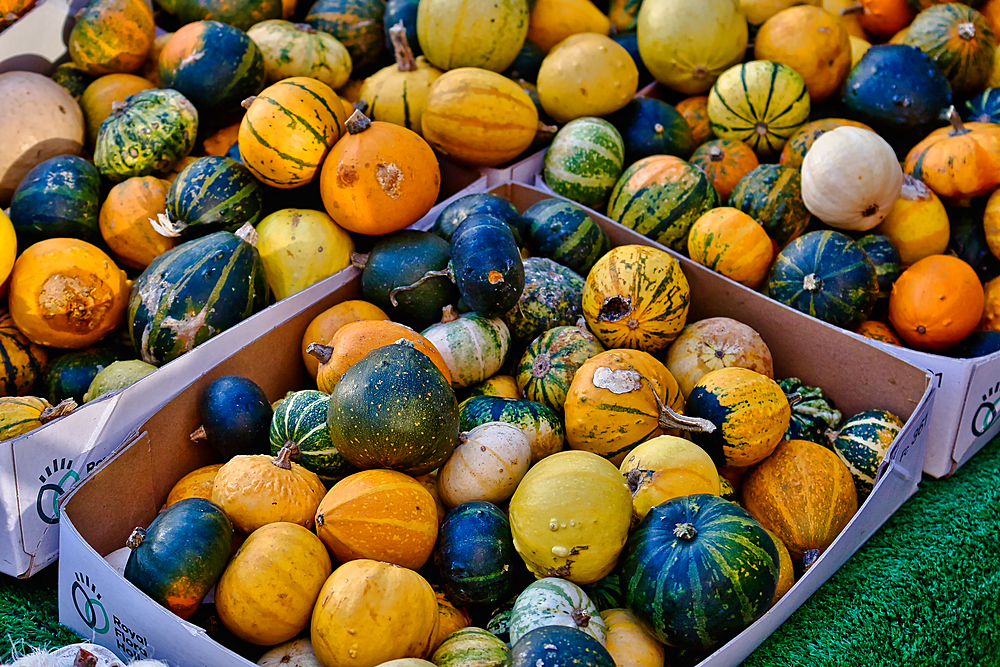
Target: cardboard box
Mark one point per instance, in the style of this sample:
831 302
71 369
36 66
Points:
129 488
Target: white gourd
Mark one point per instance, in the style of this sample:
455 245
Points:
488 465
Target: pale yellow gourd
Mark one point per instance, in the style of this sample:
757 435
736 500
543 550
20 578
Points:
628 643
917 224
667 467
758 11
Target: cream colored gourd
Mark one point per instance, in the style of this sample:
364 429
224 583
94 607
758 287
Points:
298 49
472 33
851 178
300 247
487 465
713 343
294 653
686 45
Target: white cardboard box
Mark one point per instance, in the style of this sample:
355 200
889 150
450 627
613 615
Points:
129 488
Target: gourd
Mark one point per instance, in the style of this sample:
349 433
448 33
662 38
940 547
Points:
241 14
117 375
294 653
455 213
958 162
413 436
98 99
588 502
196 484
695 111
473 347
725 162
799 143
391 610
21 414
299 248
472 33
74 79
379 178
283 155
299 50
257 489
686 47
125 221
398 93
552 21
713 343
475 556
786 569
565 233
851 178
585 161
554 601
885 258
862 442
761 103
125 150
470 647
586 75
960 40
772 195
538 423
812 416
357 24
451 619
968 240
325 325
551 297
300 418
383 515
210 194
917 224
70 374
502 386
880 331
636 297
684 542
66 293
267 592
667 467
936 302
749 410
628 643
112 36
882 18
732 243
652 127
984 107
546 370
58 198
660 197
478 118
8 250
551 646
807 515
21 361
181 555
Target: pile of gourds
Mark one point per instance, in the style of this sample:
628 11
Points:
566 471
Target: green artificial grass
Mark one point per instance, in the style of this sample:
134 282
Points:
29 615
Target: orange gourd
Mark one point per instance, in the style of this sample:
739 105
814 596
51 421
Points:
220 142
803 493
380 178
379 514
936 303
879 331
430 482
629 643
729 241
67 293
695 112
850 22
356 339
196 484
451 618
125 221
991 223
881 17
323 327
991 309
991 10
960 161
99 97
786 569
725 162
112 36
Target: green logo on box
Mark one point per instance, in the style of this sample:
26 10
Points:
987 413
88 604
47 503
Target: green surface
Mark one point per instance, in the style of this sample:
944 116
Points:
921 591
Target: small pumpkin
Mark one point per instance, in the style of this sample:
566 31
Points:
323 327
112 36
125 221
300 419
565 232
959 161
917 224
235 417
472 347
451 619
880 331
551 297
210 194
667 467
585 161
357 24
732 243
488 464
882 18
799 143
21 361
546 370
772 195
555 601
299 248
862 442
713 343
695 112
22 414
960 40
98 99
553 645
196 484
299 50
725 162
885 258
59 197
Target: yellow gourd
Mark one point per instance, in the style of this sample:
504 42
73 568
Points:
759 11
299 248
552 21
667 467
472 33
628 643
21 414
8 247
917 224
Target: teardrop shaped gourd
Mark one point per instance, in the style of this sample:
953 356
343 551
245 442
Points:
487 465
713 343
299 248
667 467
555 601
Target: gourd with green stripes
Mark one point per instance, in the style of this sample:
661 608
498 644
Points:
606 593
22 414
565 232
862 443
761 103
471 647
552 297
300 417
541 425
585 161
546 370
357 24
473 346
771 194
211 194
555 601
60 197
21 361
813 415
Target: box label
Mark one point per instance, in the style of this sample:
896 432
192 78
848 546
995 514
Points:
87 601
981 416
56 478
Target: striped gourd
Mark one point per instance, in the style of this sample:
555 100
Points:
298 49
300 417
472 33
760 103
473 346
499 623
984 108
357 24
698 570
585 161
799 143
552 297
862 443
471 647
546 370
725 162
21 361
772 195
827 275
21 414
960 40
126 145
71 374
211 194
475 554
541 425
885 258
288 129
713 343
97 101
606 593
660 197
557 646
813 415
565 232
242 14
398 93
554 601
732 243
112 36
60 197
194 292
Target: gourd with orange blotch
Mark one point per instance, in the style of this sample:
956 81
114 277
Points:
112 36
879 331
695 112
960 161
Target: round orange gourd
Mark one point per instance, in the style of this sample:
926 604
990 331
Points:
67 293
268 590
803 493
379 514
917 223
667 467
717 342
786 569
196 484
370 612
879 331
991 309
151 68
354 340
629 643
882 17
812 42
379 178
220 142
97 100
725 162
959 161
326 324
125 221
450 617
112 36
936 303
695 112
729 241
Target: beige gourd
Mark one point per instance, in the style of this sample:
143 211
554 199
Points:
487 465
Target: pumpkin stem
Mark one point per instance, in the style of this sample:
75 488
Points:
669 418
322 352
812 283
248 234
463 437
637 478
715 154
957 128
856 8
66 406
581 617
358 122
361 105
445 273
199 435
448 314
284 458
118 108
685 531
794 398
967 30
164 226
134 540
248 101
404 54
305 27
809 558
359 260
296 454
